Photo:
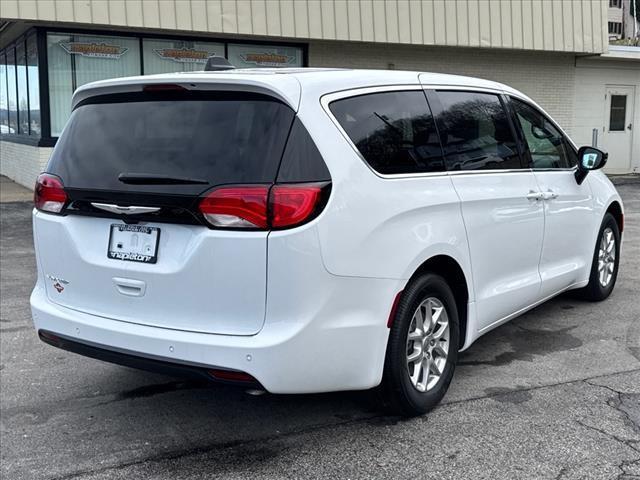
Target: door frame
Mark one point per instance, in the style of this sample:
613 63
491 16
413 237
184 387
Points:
630 113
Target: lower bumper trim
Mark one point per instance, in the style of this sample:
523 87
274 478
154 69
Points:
164 367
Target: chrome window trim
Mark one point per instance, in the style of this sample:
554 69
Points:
326 99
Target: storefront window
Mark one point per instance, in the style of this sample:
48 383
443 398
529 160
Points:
23 89
34 86
11 89
78 59
4 111
165 56
252 56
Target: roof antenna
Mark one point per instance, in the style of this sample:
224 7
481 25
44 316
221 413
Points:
215 63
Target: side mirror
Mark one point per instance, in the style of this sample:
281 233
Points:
589 158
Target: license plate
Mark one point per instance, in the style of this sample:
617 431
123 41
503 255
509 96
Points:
134 243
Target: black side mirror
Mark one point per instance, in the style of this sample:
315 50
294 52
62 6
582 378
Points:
589 158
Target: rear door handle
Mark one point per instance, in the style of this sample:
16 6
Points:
549 195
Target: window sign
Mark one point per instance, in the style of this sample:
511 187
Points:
94 49
78 59
258 56
166 56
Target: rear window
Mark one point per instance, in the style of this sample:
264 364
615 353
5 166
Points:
220 138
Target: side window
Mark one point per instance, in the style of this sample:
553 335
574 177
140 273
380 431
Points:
475 132
546 144
394 131
301 161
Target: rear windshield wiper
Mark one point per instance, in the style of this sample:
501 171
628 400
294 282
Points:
153 179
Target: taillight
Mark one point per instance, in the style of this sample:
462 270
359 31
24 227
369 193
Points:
236 207
262 207
293 204
49 195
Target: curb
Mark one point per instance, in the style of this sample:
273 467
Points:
630 179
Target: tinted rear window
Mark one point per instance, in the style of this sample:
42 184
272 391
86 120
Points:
394 131
220 138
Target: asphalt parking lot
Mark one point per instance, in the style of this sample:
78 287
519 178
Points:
553 394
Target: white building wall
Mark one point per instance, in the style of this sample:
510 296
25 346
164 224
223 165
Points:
23 163
548 78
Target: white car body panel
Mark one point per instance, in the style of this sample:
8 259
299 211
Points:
303 309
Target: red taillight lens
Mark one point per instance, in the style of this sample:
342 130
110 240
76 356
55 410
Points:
262 206
293 204
236 207
49 195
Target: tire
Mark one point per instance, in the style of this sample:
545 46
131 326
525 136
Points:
405 391
600 287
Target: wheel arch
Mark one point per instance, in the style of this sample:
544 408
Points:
615 209
449 269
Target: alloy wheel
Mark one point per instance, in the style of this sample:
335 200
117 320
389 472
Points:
427 344
606 257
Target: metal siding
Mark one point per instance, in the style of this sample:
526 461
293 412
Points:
99 11
342 19
27 8
552 25
404 21
10 9
151 14
301 19
198 15
366 21
287 18
353 18
135 17
473 17
117 12
428 24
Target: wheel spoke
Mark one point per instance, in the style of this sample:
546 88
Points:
434 368
428 318
415 356
443 329
415 336
426 367
439 351
417 371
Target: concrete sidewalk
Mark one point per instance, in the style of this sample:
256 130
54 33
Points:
10 191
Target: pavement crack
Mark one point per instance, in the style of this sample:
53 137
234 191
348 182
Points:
617 403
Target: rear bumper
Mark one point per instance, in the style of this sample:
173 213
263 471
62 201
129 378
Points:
339 345
134 360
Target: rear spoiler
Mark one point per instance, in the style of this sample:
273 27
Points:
284 88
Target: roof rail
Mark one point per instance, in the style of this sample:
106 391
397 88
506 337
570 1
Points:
215 63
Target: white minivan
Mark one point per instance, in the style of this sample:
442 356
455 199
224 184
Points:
312 230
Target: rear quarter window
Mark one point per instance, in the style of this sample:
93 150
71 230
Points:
393 131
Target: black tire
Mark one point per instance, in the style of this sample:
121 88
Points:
397 392
595 291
